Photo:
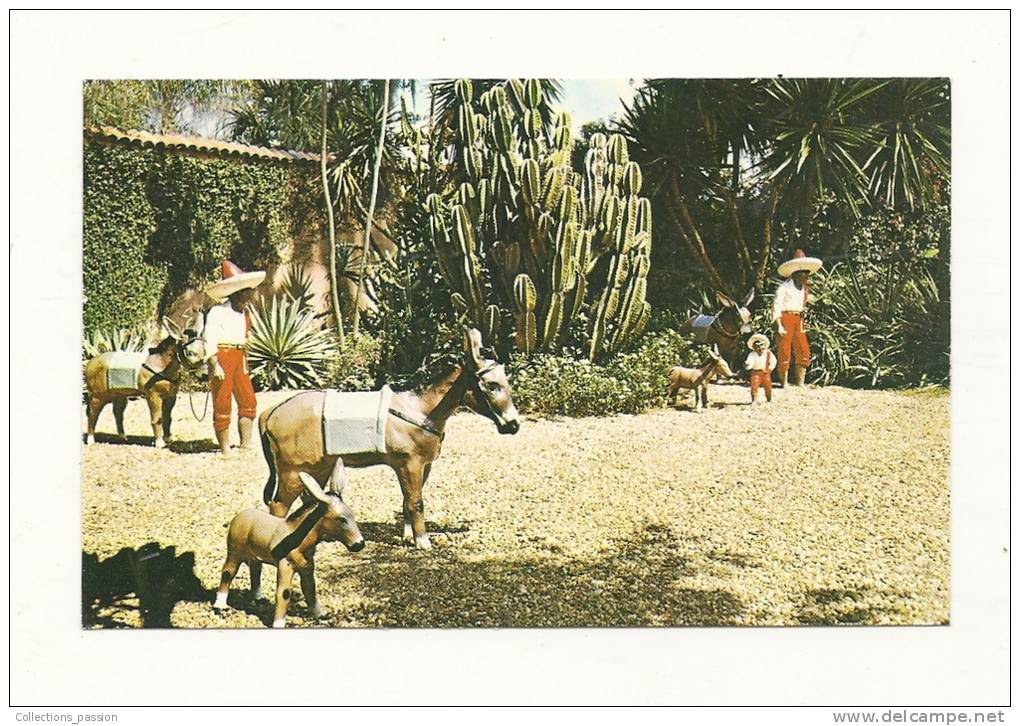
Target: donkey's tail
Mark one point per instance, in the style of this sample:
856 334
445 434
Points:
267 450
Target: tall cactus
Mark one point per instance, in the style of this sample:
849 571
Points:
529 245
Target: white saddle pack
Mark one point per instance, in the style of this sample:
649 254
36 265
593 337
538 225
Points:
122 369
355 422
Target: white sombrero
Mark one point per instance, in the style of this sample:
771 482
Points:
799 262
234 279
755 338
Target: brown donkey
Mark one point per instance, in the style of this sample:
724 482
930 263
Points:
157 381
293 441
255 537
697 379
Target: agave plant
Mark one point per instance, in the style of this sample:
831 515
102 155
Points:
133 340
287 349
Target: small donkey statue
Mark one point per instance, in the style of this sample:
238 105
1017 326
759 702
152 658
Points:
697 379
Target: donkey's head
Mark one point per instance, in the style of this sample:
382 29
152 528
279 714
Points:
736 315
337 523
489 392
188 340
722 368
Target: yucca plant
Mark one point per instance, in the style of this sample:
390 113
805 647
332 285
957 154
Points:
287 348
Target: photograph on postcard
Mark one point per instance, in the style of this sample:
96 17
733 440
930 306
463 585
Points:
515 353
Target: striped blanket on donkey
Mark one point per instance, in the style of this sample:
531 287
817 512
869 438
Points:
122 370
355 422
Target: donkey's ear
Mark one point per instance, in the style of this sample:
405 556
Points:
197 323
172 328
473 347
748 298
313 488
725 300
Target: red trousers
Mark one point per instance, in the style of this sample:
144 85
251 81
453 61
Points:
236 382
763 379
794 341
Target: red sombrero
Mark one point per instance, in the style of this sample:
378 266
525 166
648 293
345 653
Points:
234 279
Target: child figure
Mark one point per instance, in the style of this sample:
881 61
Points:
760 363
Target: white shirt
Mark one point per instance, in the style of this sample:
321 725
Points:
224 326
764 362
788 297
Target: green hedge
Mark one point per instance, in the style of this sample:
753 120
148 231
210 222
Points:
632 382
156 224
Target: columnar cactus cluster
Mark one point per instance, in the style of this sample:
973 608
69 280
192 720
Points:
529 242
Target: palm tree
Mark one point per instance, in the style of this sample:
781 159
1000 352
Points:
913 122
694 139
758 150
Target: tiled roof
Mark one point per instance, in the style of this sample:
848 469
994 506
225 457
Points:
194 145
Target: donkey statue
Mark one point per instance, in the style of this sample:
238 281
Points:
256 536
723 329
409 435
117 376
697 379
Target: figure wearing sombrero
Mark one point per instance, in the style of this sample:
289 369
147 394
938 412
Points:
760 363
788 310
226 334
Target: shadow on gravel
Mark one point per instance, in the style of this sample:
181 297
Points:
839 607
632 583
391 533
149 580
192 446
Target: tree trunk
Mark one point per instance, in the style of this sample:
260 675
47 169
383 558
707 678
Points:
371 206
766 246
333 278
692 237
743 253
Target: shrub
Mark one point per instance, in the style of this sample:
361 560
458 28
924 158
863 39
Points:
287 348
628 383
355 367
880 327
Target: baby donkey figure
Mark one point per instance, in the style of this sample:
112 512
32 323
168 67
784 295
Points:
256 536
697 379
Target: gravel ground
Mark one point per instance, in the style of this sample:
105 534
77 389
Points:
827 506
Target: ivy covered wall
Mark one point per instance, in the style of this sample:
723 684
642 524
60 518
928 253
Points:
156 224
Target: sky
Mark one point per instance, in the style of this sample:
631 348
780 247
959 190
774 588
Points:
585 99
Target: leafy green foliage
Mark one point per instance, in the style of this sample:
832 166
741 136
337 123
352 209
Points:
629 383
355 367
883 327
287 348
157 105
415 313
287 114
122 283
737 168
157 224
